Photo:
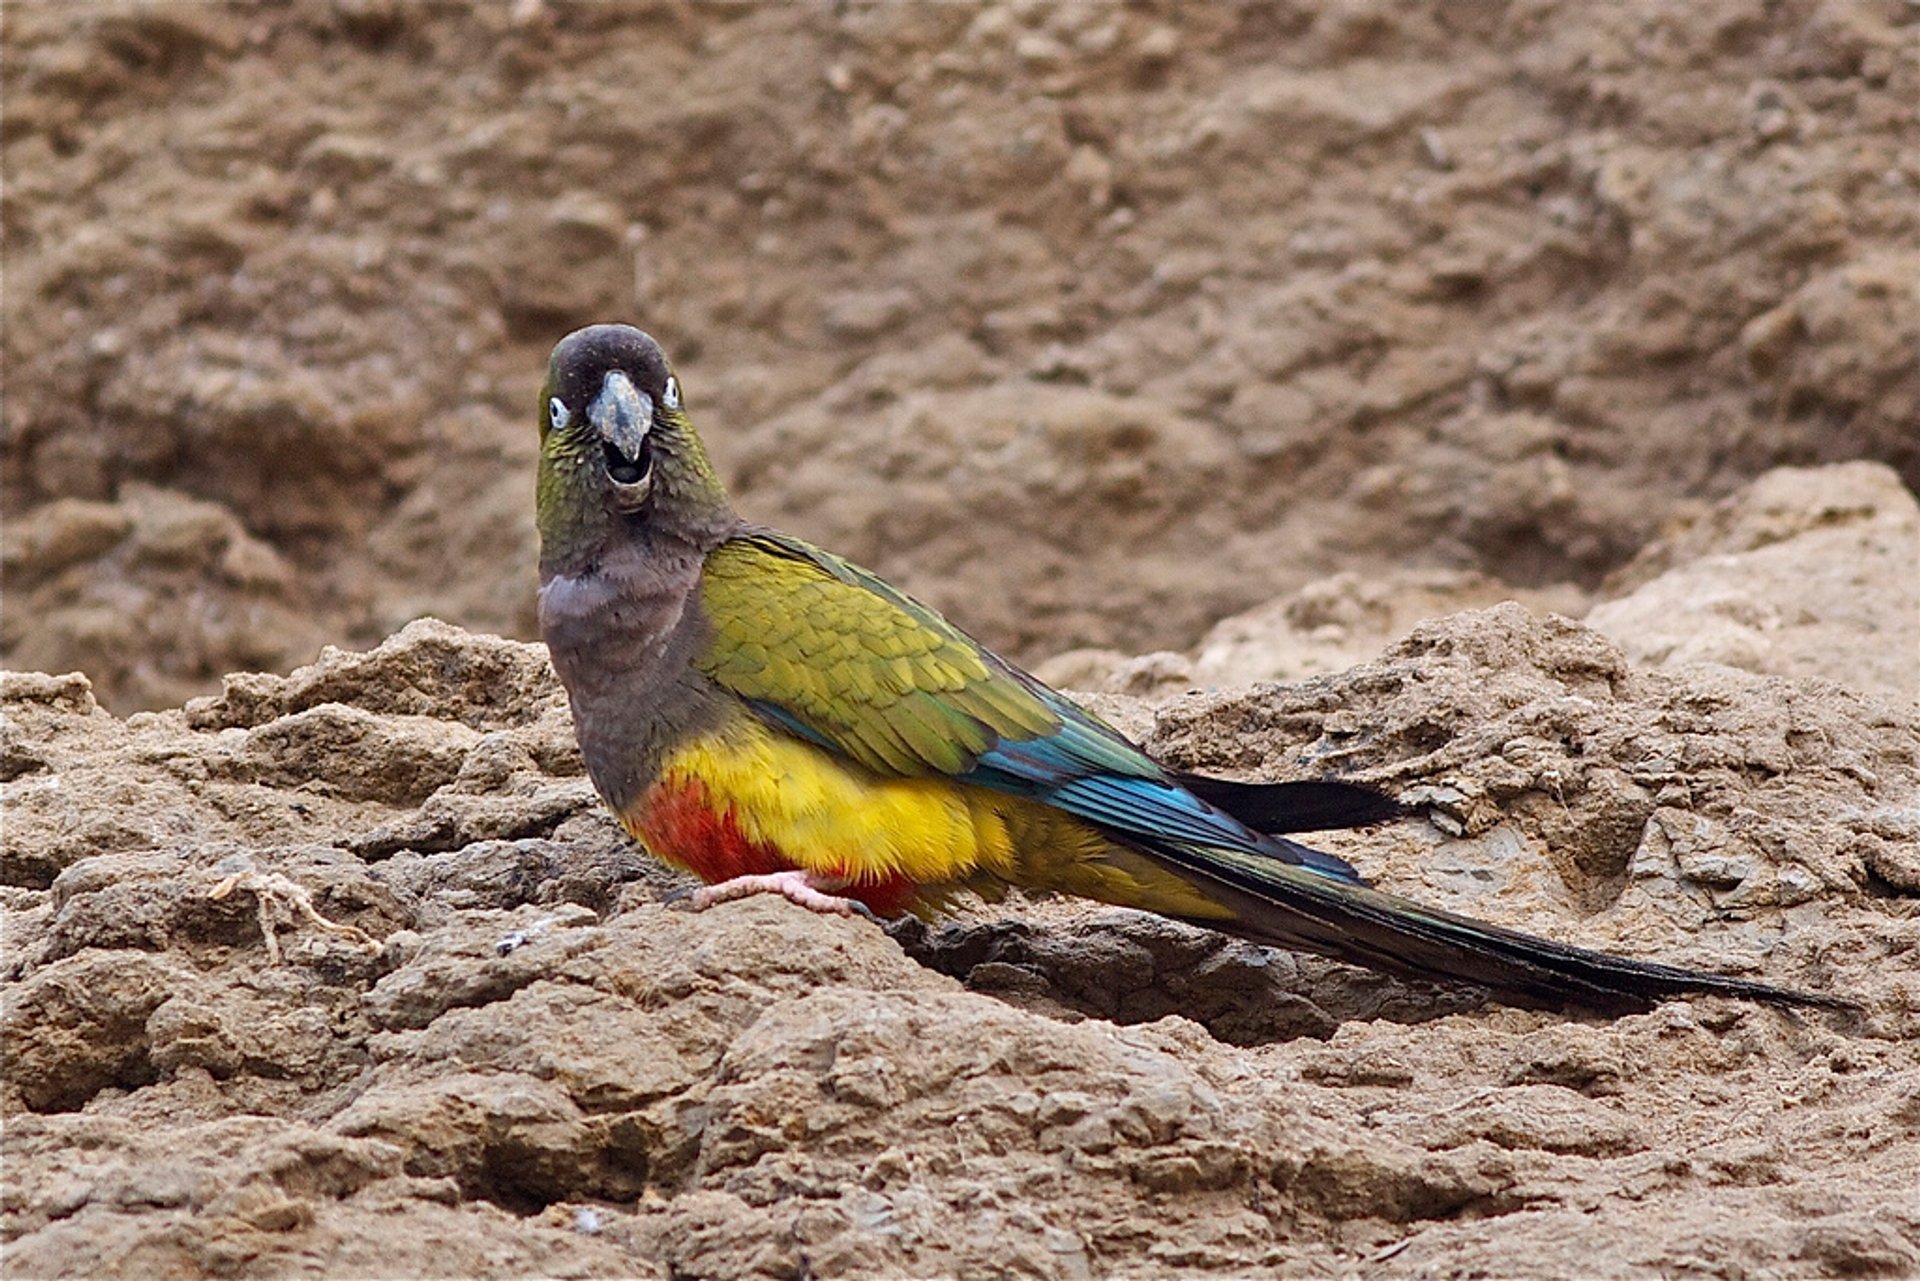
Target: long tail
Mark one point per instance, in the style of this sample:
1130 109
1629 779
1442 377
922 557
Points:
1309 805
1282 904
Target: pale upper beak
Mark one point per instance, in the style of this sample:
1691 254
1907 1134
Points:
622 414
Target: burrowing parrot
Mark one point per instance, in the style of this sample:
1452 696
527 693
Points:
774 719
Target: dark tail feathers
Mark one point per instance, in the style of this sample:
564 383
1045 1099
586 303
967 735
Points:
1313 805
1284 905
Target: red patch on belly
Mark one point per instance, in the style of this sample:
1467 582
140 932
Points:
680 823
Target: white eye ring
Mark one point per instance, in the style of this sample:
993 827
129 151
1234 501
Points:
670 394
557 413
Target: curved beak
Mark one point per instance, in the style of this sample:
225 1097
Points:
622 414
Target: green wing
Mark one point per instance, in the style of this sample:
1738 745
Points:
837 655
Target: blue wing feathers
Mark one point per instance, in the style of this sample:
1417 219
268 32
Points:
1089 771
1075 770
1085 768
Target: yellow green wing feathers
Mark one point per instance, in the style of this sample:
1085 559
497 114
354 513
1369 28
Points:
836 653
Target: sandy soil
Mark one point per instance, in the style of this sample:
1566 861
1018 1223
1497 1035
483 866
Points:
1512 406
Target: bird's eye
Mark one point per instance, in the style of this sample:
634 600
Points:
670 396
557 413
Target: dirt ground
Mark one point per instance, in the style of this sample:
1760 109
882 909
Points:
348 974
1512 405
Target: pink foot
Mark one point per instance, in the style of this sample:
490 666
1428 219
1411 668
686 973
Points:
811 892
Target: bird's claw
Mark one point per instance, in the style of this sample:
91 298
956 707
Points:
816 894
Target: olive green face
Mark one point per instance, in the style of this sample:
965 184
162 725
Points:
609 402
616 449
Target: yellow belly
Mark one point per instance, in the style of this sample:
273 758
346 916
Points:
837 818
810 809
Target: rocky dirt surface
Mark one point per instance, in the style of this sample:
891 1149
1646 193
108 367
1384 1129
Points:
346 973
1807 571
1530 387
1094 323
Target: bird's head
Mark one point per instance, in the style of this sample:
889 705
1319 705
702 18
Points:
618 457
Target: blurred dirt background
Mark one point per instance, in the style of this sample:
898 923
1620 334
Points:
1178 350
1091 323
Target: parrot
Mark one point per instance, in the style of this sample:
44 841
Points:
776 720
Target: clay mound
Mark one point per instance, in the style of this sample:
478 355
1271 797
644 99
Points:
350 966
